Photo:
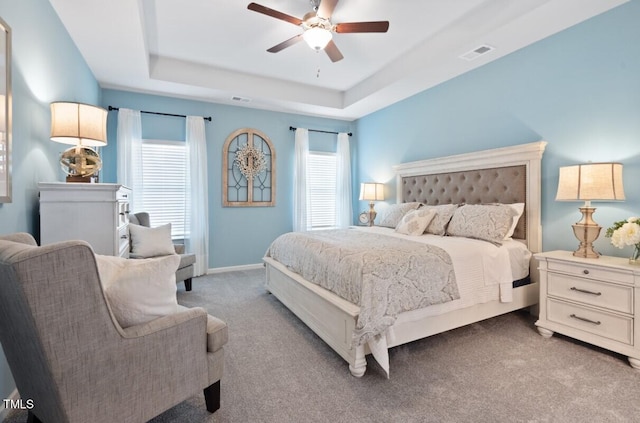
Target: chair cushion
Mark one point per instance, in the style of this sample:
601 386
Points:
139 291
217 332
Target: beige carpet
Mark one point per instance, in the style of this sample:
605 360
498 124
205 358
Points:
499 370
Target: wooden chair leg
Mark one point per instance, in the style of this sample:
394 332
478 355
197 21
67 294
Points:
31 418
212 397
187 284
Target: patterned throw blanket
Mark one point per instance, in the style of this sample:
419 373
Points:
383 275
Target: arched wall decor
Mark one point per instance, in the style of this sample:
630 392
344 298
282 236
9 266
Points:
248 170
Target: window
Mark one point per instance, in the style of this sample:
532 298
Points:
321 189
164 181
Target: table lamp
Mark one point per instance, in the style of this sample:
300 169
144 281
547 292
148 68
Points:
589 182
83 126
371 191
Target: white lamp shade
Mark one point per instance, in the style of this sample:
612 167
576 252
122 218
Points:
317 38
591 181
371 191
78 124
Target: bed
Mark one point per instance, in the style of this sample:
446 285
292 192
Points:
498 176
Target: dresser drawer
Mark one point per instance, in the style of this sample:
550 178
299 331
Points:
123 213
600 294
591 272
599 323
123 241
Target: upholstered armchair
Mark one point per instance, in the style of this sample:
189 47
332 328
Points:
70 356
185 269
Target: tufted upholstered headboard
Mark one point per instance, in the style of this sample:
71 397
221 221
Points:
503 175
480 186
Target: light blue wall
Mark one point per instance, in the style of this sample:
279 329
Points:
238 235
579 90
46 67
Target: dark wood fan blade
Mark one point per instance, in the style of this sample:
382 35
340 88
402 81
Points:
332 51
274 13
378 26
325 10
291 41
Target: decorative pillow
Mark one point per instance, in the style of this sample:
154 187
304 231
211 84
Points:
141 290
482 221
439 223
415 222
519 209
391 216
151 242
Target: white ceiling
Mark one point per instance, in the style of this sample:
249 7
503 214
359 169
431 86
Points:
212 50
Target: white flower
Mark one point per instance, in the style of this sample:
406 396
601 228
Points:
627 234
633 219
616 240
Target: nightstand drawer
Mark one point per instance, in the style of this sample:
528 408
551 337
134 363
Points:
600 294
592 272
596 322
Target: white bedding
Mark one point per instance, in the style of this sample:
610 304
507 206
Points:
484 272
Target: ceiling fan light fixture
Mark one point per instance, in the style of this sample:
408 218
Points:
317 38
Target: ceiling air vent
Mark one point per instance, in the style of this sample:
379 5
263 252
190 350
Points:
241 99
477 52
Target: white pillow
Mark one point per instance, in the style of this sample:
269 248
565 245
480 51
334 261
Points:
139 290
519 208
482 221
151 242
438 225
415 222
392 214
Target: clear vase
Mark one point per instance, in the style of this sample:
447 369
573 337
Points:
635 256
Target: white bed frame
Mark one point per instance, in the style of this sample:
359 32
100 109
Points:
334 319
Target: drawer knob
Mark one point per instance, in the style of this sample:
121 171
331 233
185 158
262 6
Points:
124 237
585 271
585 319
584 291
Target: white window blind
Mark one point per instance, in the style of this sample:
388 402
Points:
321 189
164 173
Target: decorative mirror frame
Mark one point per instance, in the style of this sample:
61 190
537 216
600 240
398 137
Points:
248 170
5 112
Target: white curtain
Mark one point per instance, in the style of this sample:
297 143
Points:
300 200
197 214
344 213
130 154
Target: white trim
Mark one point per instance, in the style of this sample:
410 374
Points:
6 412
235 268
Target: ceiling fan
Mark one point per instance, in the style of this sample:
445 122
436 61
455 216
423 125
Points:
318 29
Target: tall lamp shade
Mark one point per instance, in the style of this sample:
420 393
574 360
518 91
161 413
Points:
589 182
78 124
371 191
83 126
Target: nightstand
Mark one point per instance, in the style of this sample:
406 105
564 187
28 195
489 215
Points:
593 300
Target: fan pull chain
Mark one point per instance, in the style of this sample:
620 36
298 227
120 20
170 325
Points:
318 73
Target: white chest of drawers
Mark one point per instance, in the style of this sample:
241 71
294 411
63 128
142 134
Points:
96 213
593 300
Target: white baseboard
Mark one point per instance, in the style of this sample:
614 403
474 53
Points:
6 412
235 268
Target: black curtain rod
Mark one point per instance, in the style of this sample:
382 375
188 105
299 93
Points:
291 128
158 113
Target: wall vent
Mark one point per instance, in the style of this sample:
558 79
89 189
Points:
477 52
241 99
